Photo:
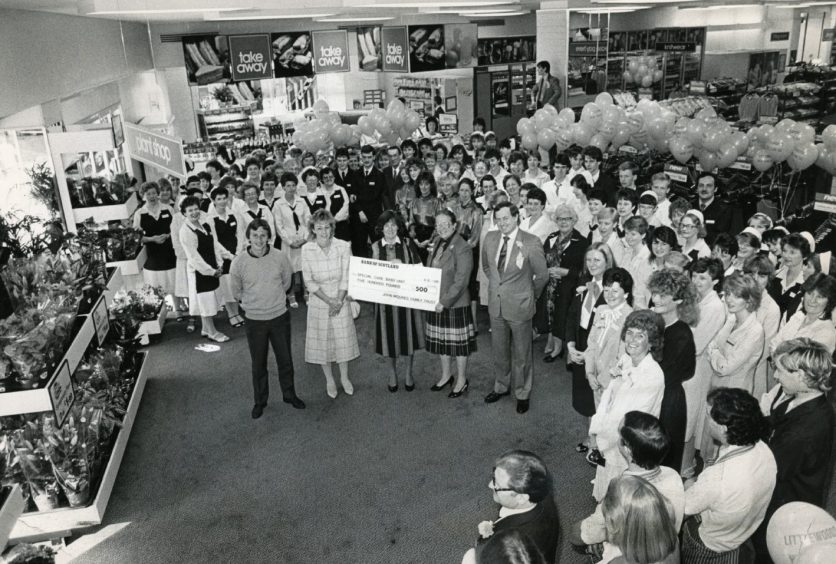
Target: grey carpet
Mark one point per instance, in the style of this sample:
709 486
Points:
375 478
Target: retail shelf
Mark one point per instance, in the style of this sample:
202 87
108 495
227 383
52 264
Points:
42 525
10 512
103 214
154 326
115 282
225 110
133 266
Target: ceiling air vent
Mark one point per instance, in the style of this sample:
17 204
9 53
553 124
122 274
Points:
178 37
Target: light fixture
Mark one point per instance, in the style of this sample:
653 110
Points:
493 14
354 19
485 11
620 9
264 17
439 4
643 1
161 11
722 7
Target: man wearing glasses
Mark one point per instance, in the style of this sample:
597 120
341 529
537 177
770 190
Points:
522 486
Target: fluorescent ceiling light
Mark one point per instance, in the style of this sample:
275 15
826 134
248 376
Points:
722 7
486 11
440 4
643 1
263 17
621 9
355 19
493 14
162 11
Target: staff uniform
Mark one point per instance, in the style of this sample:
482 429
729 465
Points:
734 353
315 200
161 262
678 363
769 316
292 223
338 205
700 249
787 293
229 234
328 339
712 319
821 330
637 263
204 256
181 276
604 347
261 212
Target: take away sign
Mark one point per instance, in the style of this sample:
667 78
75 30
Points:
330 51
250 57
395 49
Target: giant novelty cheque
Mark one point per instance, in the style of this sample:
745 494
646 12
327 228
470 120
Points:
404 285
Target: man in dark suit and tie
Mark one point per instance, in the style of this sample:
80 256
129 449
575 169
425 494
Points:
718 217
515 265
592 158
392 175
522 485
366 205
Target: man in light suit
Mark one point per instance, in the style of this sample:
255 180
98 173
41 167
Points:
515 265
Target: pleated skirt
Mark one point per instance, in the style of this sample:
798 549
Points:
451 332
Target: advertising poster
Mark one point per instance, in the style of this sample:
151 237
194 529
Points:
369 48
250 57
330 49
498 50
206 58
500 93
460 45
292 54
395 49
426 48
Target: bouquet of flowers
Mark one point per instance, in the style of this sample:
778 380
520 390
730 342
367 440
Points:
121 242
129 309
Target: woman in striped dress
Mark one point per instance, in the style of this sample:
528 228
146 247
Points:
450 330
399 331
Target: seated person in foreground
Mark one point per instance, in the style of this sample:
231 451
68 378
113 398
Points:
522 485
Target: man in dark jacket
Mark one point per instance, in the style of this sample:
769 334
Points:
392 176
718 217
592 158
366 205
522 486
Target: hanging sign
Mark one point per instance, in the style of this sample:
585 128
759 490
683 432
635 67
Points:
155 149
676 46
292 54
588 49
395 49
826 34
250 57
330 51
780 36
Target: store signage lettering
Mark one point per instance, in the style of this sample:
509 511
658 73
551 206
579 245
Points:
588 49
780 36
160 151
250 56
330 50
676 46
395 49
61 393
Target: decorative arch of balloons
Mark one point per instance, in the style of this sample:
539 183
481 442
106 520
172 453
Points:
327 130
706 136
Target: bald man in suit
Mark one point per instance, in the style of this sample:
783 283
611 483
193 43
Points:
515 265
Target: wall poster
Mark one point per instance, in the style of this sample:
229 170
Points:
498 50
369 48
426 48
460 45
206 58
292 54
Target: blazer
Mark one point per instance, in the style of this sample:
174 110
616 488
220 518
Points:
574 332
718 219
456 264
552 93
607 183
512 294
392 183
734 354
541 525
347 181
369 191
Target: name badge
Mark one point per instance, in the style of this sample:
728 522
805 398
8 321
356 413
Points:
233 223
709 221
165 214
371 183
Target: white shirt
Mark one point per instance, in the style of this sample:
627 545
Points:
732 495
583 172
507 512
820 330
538 179
542 228
511 240
637 263
662 213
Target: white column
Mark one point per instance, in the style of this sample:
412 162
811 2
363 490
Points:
553 39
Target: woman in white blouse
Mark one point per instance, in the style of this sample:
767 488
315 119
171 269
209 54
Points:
692 231
637 385
537 222
814 318
534 174
292 215
734 352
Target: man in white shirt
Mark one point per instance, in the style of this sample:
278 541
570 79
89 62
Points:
644 444
731 496
660 183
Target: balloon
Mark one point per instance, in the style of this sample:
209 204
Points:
762 161
627 76
657 127
681 126
657 75
708 160
598 141
567 115
706 113
604 99
740 142
383 125
413 120
545 139
549 109
529 141
582 133
321 106
795 527
365 124
612 114
647 81
622 134
607 131
395 105
542 120
396 116
726 156
803 132
712 139
821 553
804 155
780 146
695 131
642 70
563 138
636 122
828 137
785 125
525 127
592 115
633 66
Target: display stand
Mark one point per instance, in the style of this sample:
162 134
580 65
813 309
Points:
103 214
154 326
12 509
133 266
42 525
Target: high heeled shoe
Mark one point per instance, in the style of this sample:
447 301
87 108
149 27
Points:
347 386
409 387
392 389
331 390
455 394
438 388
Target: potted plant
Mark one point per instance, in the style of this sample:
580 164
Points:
29 447
72 450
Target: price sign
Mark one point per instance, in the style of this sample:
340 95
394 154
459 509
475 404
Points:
61 393
448 124
101 321
742 163
677 173
405 285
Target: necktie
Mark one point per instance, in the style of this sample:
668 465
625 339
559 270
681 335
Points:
296 222
593 227
591 297
502 253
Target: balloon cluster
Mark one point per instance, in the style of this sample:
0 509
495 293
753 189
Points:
801 533
643 70
325 130
395 123
706 136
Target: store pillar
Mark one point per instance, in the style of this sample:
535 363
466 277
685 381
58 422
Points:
553 40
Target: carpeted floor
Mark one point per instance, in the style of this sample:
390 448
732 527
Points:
375 478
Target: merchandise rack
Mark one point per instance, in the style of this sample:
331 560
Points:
57 523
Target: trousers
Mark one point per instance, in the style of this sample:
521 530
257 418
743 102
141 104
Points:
513 356
276 333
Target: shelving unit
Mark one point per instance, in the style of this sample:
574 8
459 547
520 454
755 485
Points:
226 123
12 509
103 214
42 525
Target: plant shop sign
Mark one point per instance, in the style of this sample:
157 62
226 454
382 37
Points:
250 57
155 149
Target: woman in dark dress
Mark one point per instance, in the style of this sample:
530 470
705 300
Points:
337 199
565 249
785 288
676 300
154 218
579 320
398 331
422 213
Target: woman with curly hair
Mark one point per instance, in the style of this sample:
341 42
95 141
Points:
638 384
675 299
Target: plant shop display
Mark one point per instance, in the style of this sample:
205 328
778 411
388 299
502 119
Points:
129 309
91 191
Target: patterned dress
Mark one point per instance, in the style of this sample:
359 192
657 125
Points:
328 339
398 331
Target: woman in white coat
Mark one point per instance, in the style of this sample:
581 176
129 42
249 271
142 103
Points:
292 215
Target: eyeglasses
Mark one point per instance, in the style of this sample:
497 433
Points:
687 226
565 219
492 486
